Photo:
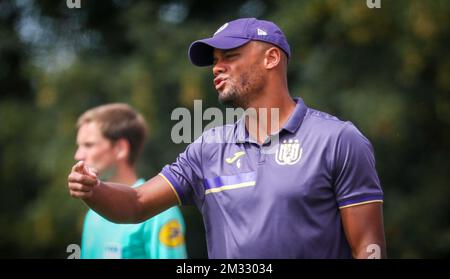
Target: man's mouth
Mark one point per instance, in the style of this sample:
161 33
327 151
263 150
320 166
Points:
219 82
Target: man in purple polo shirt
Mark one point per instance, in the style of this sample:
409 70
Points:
307 190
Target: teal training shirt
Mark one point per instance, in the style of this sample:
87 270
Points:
160 237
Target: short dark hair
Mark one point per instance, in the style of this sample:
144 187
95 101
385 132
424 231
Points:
119 121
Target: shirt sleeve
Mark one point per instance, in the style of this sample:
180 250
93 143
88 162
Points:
185 175
164 235
355 176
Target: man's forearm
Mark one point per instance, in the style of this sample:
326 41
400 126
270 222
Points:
115 202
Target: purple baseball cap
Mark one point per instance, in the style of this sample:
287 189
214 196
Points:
234 34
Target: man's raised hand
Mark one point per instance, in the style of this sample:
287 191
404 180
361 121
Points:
82 179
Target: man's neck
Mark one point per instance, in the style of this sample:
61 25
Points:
124 175
270 115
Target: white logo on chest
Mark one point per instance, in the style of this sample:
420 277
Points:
288 153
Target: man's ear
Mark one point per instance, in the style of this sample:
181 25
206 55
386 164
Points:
122 149
272 57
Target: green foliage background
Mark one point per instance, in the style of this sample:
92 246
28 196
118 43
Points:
387 70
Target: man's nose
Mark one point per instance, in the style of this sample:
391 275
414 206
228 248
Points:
79 155
218 68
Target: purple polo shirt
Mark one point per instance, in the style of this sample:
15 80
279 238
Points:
283 203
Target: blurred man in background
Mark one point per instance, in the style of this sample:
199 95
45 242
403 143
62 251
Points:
110 139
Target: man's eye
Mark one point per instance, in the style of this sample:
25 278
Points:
231 55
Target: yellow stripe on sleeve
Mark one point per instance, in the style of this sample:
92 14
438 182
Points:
171 186
359 203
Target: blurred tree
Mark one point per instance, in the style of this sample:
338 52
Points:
387 71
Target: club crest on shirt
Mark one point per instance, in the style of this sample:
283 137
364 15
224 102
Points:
170 234
288 152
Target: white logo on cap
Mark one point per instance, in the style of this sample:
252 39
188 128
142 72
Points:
221 28
261 32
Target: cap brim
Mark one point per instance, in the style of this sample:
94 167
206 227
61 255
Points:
201 51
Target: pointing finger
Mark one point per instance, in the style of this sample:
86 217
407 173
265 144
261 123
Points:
91 171
79 167
87 180
94 171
